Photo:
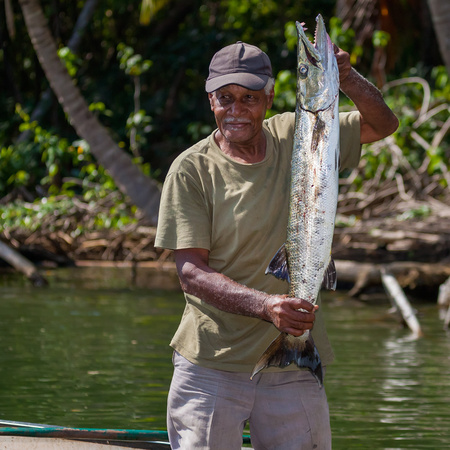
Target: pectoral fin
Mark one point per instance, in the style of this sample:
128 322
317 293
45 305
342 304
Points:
278 267
330 277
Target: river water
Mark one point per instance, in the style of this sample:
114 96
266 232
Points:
91 350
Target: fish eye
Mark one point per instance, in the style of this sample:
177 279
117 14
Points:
303 71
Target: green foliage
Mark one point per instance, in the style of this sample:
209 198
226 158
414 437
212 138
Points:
149 8
84 179
70 60
285 89
48 161
132 63
345 39
423 109
171 60
56 212
290 34
441 79
380 38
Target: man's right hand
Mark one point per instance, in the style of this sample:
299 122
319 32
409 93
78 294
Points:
290 315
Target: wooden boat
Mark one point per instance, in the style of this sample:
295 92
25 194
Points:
25 435
33 436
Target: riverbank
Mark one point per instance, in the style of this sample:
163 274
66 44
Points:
401 225
416 251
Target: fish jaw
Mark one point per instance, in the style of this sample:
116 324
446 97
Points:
317 71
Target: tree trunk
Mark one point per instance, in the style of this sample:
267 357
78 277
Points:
440 14
46 99
143 191
22 264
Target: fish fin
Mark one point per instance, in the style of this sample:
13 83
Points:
278 267
286 349
330 276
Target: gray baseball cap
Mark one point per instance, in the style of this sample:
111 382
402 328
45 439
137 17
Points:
240 63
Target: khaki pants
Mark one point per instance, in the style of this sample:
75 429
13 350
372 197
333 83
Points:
208 409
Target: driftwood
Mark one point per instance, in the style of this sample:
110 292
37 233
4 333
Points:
409 275
400 302
21 264
444 294
444 303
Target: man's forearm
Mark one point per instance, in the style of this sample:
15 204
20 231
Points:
377 120
223 293
291 315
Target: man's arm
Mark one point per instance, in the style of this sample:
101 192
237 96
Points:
197 278
377 120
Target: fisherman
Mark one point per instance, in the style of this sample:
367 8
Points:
224 212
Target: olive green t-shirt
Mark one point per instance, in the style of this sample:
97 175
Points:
239 213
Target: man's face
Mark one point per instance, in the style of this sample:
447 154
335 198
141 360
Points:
239 112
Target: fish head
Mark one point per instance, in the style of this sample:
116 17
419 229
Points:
317 70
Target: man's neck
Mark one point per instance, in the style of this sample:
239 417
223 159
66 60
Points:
246 153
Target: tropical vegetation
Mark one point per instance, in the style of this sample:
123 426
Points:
106 94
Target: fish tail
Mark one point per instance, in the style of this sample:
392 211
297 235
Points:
286 349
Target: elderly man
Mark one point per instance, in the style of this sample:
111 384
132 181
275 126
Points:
224 212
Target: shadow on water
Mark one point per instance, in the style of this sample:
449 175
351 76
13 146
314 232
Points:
92 350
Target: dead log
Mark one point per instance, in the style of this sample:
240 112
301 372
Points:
444 294
409 275
21 264
444 303
447 319
400 302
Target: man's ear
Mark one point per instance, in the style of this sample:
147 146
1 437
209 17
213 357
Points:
270 98
211 99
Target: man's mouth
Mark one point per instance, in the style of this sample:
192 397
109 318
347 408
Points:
236 123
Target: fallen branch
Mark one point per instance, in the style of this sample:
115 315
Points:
447 319
400 302
444 303
408 274
21 264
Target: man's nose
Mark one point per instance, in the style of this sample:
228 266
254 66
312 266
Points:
237 107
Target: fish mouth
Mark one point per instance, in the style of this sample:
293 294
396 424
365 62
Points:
314 52
317 70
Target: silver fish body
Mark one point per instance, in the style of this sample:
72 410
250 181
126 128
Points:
305 259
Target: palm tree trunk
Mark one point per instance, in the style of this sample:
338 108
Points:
46 99
440 14
143 191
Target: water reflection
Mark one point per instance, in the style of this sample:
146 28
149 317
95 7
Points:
91 350
386 389
87 351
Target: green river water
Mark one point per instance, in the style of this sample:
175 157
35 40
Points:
91 350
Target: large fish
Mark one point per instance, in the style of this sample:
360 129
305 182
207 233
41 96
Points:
305 259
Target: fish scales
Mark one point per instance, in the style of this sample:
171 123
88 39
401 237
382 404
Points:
314 188
305 258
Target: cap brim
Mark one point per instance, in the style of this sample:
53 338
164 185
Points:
250 81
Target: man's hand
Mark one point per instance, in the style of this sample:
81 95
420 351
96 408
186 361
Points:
283 312
377 120
343 62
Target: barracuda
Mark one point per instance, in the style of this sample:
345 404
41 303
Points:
305 259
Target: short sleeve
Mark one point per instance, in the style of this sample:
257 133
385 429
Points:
350 139
183 220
